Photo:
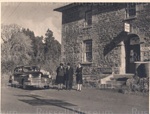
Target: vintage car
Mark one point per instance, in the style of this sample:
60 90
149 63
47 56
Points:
30 76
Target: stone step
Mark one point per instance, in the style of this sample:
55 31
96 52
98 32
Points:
112 78
112 85
105 86
104 80
116 84
116 76
118 79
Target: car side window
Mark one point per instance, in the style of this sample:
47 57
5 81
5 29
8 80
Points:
26 69
18 70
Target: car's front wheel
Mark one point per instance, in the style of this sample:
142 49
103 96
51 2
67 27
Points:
24 86
12 83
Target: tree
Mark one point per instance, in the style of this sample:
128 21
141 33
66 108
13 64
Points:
8 30
52 51
21 47
17 51
39 51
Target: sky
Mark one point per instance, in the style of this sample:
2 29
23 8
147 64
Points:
37 16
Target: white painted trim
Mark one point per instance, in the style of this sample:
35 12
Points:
123 59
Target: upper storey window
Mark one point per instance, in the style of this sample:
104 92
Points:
131 10
88 18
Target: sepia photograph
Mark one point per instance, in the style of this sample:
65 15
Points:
75 57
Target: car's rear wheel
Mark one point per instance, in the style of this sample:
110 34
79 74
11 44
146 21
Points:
46 87
12 84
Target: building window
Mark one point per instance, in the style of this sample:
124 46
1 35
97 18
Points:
87 54
131 10
88 17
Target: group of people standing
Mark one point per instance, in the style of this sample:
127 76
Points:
65 77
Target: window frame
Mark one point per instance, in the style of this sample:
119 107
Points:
87 44
88 19
131 10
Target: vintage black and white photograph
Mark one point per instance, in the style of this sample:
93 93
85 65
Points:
75 57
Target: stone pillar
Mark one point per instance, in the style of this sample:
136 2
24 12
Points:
123 60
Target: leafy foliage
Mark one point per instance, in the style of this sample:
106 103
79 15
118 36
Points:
52 51
17 51
21 47
8 31
136 84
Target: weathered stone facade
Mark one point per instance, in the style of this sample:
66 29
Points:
106 32
141 27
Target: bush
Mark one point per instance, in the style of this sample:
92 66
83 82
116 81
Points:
136 84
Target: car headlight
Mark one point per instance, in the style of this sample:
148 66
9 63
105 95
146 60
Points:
39 75
49 76
30 75
45 79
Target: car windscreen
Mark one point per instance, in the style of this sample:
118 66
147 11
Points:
18 69
35 68
27 69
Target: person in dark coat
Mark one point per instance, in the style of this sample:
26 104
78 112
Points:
79 77
60 76
69 77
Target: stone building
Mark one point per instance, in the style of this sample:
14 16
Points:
106 37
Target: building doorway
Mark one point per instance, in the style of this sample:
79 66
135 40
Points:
132 50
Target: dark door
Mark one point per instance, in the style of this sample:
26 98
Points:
132 54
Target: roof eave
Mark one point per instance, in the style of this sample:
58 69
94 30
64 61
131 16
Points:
61 9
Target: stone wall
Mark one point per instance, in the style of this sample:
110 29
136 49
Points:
141 27
107 27
106 32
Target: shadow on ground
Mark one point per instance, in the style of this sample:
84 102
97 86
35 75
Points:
39 101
